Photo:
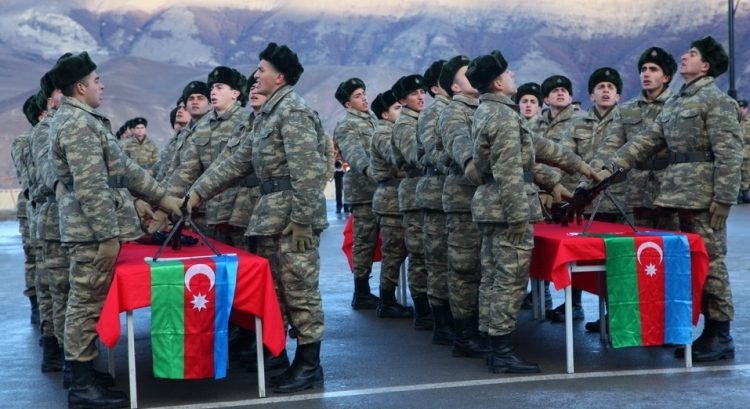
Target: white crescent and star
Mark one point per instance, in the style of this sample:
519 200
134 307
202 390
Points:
650 268
199 301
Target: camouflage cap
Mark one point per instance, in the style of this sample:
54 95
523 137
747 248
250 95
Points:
195 87
432 75
138 121
449 71
345 90
70 69
485 68
284 60
658 56
382 102
713 53
556 81
529 88
605 74
408 84
31 109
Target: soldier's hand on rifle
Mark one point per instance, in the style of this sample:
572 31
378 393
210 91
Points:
516 232
719 213
560 193
601 175
546 200
471 173
302 236
106 255
157 221
193 201
588 172
144 209
172 204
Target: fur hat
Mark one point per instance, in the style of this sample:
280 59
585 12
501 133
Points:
70 69
449 71
658 56
284 60
432 75
382 102
225 75
713 53
347 88
742 103
407 84
31 109
529 88
605 74
138 121
556 81
485 68
173 116
195 87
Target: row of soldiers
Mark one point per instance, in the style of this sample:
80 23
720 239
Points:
457 185
254 180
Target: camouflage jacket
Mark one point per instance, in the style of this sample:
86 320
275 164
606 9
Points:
143 152
48 219
701 120
384 170
249 186
636 117
159 170
745 182
554 128
430 187
505 153
406 156
170 172
353 135
19 145
454 128
287 142
84 155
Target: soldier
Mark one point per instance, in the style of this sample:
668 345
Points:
700 128
429 193
410 91
385 205
140 147
287 150
745 181
178 118
529 100
505 205
463 239
353 135
96 212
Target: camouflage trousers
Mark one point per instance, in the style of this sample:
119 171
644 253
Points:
296 278
436 256
393 249
29 263
717 301
58 268
464 266
505 273
43 295
417 272
228 234
88 290
365 239
657 218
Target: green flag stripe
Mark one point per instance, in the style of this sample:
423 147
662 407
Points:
622 292
167 318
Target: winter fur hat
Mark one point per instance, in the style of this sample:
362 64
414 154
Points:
605 74
284 60
529 88
449 71
407 84
432 75
70 69
556 81
485 68
713 53
347 88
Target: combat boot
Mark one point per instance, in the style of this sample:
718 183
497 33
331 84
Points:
502 359
85 393
363 299
34 310
103 379
423 320
700 342
389 308
304 373
52 354
719 345
270 362
442 333
468 342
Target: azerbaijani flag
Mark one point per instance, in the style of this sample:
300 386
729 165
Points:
191 300
649 289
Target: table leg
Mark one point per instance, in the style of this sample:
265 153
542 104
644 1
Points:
603 322
131 360
569 328
111 362
259 357
402 284
688 356
535 298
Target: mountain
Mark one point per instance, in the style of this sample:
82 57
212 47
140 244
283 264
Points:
148 50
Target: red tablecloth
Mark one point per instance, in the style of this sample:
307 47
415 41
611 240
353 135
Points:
254 294
555 246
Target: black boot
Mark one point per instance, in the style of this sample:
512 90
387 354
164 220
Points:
422 315
84 392
442 333
468 342
363 299
502 359
304 373
103 379
52 354
719 345
34 310
558 314
700 343
389 308
270 362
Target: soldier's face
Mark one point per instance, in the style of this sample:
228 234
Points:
183 116
692 64
91 89
223 96
461 84
139 131
508 81
358 101
256 100
414 100
198 105
652 77
269 80
605 95
558 98
393 112
529 106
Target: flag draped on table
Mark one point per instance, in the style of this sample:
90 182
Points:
347 246
649 289
191 300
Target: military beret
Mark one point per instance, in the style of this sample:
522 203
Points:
449 71
529 88
408 84
658 56
713 53
138 121
432 75
605 74
742 103
284 60
31 109
70 69
347 88
382 102
224 75
485 68
195 87
556 81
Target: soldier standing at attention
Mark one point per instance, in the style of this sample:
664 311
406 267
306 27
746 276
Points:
353 135
700 127
506 204
139 146
96 212
287 152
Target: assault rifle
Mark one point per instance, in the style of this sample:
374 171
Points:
175 237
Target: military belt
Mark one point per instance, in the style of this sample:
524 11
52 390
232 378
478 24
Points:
433 172
113 182
275 185
653 164
413 172
51 199
528 177
250 181
390 183
690 157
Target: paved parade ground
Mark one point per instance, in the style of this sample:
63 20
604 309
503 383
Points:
378 363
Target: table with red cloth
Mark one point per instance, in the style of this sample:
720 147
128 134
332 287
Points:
567 258
254 302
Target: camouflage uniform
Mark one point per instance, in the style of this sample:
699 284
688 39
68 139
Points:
87 160
700 127
505 153
353 135
18 145
745 181
554 128
248 193
166 154
288 157
143 152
